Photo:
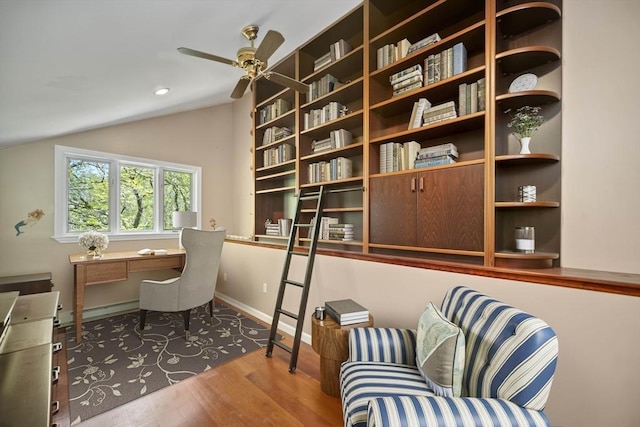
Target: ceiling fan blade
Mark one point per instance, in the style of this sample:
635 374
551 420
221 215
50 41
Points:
241 87
286 81
269 45
204 55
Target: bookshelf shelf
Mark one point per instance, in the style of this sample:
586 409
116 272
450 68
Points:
463 212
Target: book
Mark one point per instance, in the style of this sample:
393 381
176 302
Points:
459 58
417 112
346 310
433 38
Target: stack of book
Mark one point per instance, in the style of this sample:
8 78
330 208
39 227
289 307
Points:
390 53
395 156
325 221
445 64
444 154
334 169
274 134
471 97
406 80
321 87
336 51
342 232
337 139
439 113
272 229
346 312
319 116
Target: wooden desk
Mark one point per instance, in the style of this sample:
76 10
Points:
115 267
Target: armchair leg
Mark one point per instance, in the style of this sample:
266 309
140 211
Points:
186 315
211 312
143 320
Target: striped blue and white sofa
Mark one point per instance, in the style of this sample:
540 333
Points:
510 360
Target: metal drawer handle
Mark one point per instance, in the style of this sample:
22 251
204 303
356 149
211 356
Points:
55 407
55 374
56 347
59 307
56 323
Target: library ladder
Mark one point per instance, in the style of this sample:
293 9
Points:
286 281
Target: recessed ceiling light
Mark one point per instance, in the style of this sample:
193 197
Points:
162 91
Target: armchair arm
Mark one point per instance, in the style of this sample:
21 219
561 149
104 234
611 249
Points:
159 295
387 345
434 411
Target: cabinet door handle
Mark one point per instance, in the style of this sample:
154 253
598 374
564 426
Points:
413 185
421 183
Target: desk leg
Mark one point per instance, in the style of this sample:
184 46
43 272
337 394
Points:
80 278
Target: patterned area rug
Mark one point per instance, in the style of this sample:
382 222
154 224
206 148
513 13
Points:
111 366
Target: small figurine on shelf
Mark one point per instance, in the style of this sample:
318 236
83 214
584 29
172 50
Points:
526 121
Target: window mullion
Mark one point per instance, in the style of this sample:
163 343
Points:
114 196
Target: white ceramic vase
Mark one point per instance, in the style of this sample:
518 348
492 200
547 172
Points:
524 145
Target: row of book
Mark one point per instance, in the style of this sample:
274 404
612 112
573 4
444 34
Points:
406 80
338 168
443 154
471 97
332 229
319 116
321 87
274 134
346 312
337 139
280 228
395 156
271 111
392 52
438 113
280 154
445 64
336 51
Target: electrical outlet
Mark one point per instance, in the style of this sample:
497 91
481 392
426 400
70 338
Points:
264 287
224 277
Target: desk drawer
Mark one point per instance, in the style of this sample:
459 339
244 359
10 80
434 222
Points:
105 271
154 262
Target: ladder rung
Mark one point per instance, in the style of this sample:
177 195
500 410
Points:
288 313
304 225
310 196
282 346
291 282
299 253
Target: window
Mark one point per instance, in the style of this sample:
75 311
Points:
125 197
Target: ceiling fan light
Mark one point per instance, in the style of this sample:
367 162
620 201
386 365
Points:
162 91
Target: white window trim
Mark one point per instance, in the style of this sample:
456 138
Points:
62 153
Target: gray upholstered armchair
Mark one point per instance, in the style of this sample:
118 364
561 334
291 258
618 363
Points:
197 284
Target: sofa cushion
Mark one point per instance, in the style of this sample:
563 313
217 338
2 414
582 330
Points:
362 381
440 352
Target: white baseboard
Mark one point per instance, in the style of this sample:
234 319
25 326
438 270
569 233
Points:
96 313
264 317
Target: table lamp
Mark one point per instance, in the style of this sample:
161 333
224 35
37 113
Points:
183 220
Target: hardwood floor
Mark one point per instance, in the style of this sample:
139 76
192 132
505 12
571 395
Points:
247 391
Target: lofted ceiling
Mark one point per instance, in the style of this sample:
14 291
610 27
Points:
73 65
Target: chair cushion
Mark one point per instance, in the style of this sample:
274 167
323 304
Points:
362 381
440 352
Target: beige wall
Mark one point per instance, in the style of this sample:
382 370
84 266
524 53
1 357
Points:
598 377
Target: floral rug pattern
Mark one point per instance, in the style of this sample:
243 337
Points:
111 366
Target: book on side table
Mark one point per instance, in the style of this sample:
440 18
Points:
346 312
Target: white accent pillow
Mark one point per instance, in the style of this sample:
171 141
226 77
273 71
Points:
440 352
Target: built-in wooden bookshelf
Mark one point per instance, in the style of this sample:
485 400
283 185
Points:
465 212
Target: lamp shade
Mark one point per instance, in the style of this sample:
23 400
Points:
185 219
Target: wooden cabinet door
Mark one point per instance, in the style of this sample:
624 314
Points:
393 210
450 211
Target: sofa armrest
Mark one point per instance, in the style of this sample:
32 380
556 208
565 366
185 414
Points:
434 411
387 345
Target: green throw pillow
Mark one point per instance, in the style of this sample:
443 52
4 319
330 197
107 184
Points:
440 352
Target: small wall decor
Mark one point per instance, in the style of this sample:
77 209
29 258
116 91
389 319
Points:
32 218
212 223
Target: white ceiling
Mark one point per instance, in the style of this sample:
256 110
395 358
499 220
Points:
73 65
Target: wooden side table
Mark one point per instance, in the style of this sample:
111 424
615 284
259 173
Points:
331 342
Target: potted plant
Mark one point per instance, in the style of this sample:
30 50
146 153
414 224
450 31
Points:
94 242
524 122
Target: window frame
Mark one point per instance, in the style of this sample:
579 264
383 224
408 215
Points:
61 193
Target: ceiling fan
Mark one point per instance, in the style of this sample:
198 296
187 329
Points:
253 61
